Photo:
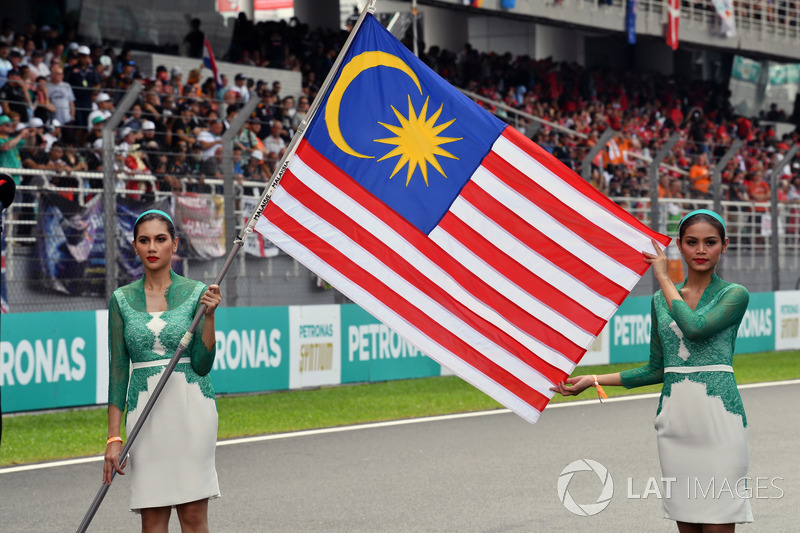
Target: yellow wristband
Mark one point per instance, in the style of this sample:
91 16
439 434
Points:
113 439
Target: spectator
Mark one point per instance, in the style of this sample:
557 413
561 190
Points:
105 108
176 75
10 144
759 193
84 80
187 125
211 138
240 88
37 64
248 139
52 133
179 168
43 108
5 64
275 143
265 111
194 40
134 120
254 171
14 97
61 96
700 177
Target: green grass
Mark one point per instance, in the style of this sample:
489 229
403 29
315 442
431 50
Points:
82 432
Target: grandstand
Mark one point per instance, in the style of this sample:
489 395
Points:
125 106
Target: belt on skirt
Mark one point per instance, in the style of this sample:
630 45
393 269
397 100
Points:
159 362
702 368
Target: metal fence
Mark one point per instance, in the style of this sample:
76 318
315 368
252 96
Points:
764 253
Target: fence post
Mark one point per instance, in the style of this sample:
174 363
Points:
586 164
775 249
110 186
229 192
656 163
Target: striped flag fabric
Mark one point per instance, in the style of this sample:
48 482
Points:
210 63
673 22
452 228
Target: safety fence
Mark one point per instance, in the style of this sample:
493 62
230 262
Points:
57 229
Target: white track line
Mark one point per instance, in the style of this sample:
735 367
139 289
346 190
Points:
375 425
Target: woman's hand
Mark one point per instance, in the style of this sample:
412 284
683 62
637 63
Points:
658 260
111 463
211 299
573 386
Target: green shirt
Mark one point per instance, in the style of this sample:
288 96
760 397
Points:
134 335
10 158
686 337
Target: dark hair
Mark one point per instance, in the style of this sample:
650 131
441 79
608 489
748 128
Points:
154 216
702 217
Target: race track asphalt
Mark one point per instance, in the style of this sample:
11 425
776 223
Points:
485 473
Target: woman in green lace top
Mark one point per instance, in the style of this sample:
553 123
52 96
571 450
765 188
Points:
172 459
701 427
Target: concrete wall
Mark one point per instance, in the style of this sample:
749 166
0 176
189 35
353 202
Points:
562 44
319 13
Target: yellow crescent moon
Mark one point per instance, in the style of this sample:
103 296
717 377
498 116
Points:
356 66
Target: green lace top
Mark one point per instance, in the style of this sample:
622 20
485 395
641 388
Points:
686 337
134 335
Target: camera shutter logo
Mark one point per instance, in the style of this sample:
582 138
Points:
588 509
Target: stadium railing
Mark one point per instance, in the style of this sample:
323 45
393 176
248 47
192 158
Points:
26 227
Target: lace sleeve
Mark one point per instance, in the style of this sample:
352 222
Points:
118 358
728 311
653 371
202 357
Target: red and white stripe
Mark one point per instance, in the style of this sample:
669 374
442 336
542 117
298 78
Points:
673 22
508 291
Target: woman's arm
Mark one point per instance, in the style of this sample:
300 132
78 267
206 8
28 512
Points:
649 374
118 373
576 385
204 346
113 449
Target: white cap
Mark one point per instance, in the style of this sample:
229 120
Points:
73 46
36 122
103 97
55 123
21 126
84 50
105 61
256 154
98 143
148 125
124 133
176 71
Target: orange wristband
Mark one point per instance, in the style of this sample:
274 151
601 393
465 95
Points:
601 394
113 439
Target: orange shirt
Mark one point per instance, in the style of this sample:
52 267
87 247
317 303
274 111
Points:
701 178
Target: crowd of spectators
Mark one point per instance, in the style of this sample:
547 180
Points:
56 96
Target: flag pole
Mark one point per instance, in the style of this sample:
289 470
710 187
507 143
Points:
280 169
238 243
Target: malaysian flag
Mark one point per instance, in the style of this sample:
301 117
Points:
673 22
210 63
453 228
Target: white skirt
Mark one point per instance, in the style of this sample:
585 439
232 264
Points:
172 460
703 449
